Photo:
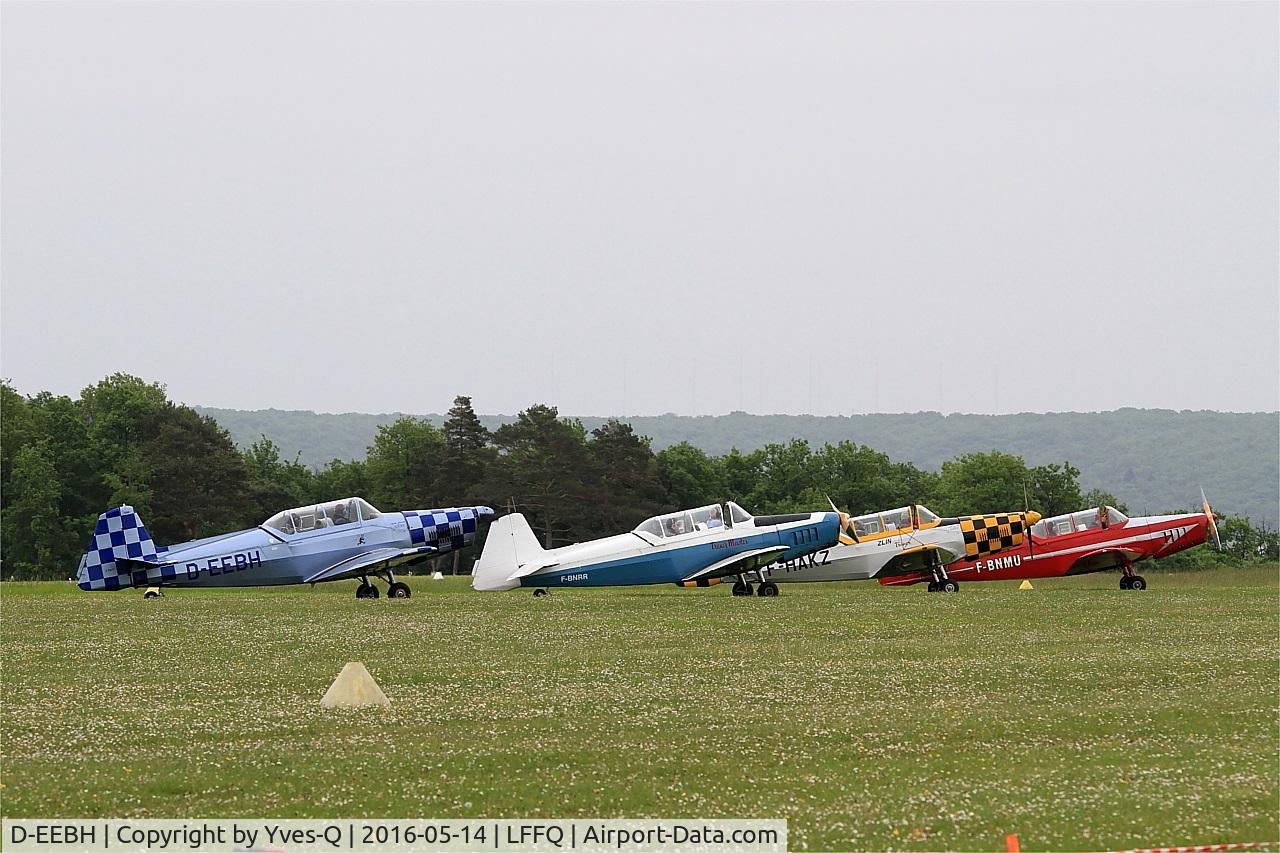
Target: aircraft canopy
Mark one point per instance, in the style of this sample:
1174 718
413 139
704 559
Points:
304 519
689 520
1089 519
891 520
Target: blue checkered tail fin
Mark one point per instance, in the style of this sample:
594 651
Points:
119 552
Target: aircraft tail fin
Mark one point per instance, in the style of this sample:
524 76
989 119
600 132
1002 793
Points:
510 544
119 552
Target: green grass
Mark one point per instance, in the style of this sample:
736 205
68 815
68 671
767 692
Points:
1076 715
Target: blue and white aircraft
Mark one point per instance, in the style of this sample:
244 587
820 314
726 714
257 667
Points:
323 542
696 547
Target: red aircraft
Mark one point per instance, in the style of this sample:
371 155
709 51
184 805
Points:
1095 540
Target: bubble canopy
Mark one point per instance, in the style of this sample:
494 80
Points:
699 520
305 519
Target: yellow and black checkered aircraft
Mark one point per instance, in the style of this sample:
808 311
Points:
907 541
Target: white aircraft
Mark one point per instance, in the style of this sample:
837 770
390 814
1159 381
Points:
691 548
906 540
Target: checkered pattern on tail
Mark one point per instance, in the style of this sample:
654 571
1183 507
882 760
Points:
120 535
446 529
986 534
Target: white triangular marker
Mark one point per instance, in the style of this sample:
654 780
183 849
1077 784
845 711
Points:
438 576
1025 585
354 688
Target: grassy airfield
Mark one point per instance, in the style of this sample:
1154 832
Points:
1075 715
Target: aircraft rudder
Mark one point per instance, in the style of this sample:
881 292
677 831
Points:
511 542
118 536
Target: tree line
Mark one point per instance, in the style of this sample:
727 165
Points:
1150 458
63 461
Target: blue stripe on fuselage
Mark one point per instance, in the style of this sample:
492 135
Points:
665 566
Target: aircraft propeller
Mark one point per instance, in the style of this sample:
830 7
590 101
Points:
1213 524
846 524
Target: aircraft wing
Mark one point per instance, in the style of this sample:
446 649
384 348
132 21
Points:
1102 559
375 560
912 560
747 561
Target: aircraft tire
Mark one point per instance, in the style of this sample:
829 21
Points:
539 592
741 588
1137 582
768 589
948 586
1125 580
398 590
933 586
366 590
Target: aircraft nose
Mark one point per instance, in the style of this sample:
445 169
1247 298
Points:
1033 516
483 512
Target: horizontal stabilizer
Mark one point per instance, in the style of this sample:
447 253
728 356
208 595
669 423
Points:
376 560
747 561
531 569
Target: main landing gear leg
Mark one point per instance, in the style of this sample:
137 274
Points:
940 582
395 588
742 587
366 589
1130 580
766 589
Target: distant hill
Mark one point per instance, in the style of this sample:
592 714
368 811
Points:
1152 459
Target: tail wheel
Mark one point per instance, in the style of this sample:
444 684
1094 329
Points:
398 590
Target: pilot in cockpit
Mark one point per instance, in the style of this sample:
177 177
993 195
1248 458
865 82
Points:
340 514
675 526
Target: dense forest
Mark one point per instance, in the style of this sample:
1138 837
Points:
64 460
1152 459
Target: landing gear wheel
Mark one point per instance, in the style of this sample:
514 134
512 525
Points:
366 590
933 586
540 593
1137 582
742 588
768 589
398 590
948 586
1125 582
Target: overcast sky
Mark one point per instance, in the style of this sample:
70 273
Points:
643 208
